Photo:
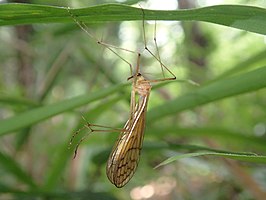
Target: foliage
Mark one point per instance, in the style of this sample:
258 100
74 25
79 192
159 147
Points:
222 117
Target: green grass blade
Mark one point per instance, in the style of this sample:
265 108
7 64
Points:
38 114
246 64
234 156
221 134
239 84
12 167
237 16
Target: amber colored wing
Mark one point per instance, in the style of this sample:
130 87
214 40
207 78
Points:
124 158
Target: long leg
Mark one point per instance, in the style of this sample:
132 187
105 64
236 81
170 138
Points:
157 49
84 27
91 127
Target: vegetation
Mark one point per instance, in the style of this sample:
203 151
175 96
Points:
202 141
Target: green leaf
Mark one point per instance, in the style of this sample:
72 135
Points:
239 84
259 57
237 16
12 167
17 101
38 114
235 156
221 134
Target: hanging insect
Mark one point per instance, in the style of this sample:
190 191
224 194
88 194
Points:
124 158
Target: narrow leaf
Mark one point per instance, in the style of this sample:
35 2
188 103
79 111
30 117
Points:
235 156
9 164
240 84
38 114
237 16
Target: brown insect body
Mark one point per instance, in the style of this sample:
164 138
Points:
124 158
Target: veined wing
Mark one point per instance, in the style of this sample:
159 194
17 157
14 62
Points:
124 158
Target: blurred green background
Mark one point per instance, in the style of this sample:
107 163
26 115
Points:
54 73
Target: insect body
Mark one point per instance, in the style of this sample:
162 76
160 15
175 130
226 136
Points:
124 158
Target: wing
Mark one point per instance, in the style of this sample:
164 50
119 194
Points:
124 158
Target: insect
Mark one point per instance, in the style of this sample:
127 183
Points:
125 155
